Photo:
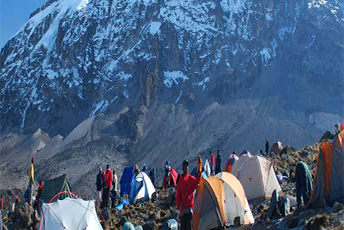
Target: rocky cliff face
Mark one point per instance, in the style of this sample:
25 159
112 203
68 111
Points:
75 59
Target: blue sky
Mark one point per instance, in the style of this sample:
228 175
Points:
13 15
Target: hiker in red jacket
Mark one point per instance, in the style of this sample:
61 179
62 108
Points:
212 163
187 184
108 182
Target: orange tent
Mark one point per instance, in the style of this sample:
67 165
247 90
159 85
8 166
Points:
220 202
329 173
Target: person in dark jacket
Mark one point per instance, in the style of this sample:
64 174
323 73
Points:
303 182
218 162
108 182
187 184
144 168
266 146
100 183
152 175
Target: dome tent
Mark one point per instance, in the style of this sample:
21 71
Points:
141 188
276 148
70 214
257 176
329 173
220 202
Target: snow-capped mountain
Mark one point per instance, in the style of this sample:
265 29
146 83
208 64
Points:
74 59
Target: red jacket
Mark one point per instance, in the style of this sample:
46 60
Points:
212 159
185 191
108 179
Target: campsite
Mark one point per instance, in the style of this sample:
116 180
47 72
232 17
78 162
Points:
242 199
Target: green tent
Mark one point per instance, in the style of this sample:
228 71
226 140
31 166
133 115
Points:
53 187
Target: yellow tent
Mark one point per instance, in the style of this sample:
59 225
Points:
220 202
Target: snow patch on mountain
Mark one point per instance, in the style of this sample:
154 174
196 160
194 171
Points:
172 77
154 28
99 107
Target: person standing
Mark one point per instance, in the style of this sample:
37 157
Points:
303 183
114 191
32 180
212 163
100 183
187 184
108 182
266 146
337 129
152 175
199 165
144 168
218 162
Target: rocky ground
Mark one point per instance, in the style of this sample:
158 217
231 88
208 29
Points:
155 214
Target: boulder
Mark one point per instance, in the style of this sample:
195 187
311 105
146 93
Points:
337 207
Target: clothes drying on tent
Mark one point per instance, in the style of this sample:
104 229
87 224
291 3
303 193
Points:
221 202
125 182
53 187
257 176
230 162
173 177
141 188
329 174
70 214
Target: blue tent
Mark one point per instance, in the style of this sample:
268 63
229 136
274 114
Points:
125 181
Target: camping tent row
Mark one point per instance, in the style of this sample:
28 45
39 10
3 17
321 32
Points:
220 201
137 187
329 174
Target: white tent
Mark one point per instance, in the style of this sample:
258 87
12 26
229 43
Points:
207 168
257 176
141 187
70 214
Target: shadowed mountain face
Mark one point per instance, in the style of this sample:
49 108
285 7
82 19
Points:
150 80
